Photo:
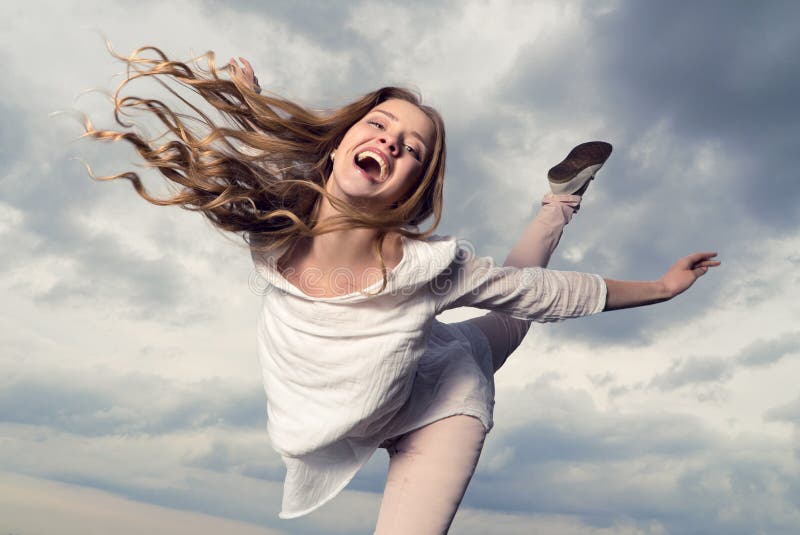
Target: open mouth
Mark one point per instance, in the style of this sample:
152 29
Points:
371 165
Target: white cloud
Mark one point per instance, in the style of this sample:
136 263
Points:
472 46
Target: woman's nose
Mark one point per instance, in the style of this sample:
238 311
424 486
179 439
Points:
390 142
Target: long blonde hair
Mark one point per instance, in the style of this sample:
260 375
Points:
270 187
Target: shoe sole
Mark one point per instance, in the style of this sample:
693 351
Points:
579 167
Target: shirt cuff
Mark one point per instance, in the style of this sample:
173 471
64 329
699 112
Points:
603 294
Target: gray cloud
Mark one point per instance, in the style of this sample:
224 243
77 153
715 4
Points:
321 22
733 85
766 352
566 426
129 404
230 457
695 370
577 460
14 136
789 412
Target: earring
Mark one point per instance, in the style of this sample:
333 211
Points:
333 154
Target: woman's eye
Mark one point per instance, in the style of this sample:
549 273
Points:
413 151
376 123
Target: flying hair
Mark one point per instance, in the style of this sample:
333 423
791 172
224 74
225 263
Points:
263 173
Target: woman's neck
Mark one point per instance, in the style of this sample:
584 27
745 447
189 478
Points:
353 248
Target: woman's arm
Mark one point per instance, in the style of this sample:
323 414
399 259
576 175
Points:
629 294
545 295
530 293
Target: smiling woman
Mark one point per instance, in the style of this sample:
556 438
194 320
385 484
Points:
380 160
330 204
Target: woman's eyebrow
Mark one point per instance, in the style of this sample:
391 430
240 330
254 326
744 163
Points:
413 132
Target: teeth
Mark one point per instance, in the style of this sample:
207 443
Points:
369 154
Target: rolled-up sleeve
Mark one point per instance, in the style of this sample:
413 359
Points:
530 293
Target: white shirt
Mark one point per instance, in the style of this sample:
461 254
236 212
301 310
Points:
339 372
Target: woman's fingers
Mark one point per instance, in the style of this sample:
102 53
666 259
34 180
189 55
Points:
248 70
699 257
695 260
701 268
245 74
688 269
247 67
235 68
251 73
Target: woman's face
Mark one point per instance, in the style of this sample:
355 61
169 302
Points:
383 155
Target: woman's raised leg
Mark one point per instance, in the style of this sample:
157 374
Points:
429 470
533 249
569 178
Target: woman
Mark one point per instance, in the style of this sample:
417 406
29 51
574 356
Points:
352 356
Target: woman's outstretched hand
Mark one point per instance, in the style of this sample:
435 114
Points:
682 274
245 74
685 271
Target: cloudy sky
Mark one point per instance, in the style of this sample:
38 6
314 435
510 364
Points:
130 396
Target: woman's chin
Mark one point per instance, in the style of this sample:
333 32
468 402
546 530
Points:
356 187
359 192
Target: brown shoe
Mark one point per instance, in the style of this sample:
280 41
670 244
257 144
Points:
575 171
